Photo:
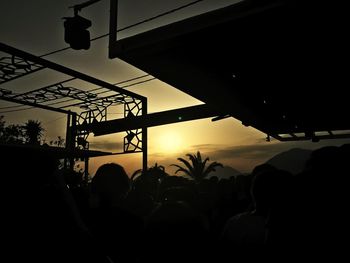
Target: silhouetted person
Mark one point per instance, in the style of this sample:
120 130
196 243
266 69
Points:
40 221
315 222
249 230
320 214
112 224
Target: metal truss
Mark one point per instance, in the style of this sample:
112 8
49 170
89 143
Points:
97 112
83 107
12 67
55 92
5 92
313 136
133 139
94 106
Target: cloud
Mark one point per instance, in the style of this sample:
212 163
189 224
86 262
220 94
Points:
111 146
242 157
203 146
266 150
249 151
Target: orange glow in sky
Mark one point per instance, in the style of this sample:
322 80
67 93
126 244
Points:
170 142
37 27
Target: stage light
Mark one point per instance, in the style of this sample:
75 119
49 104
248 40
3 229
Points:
76 33
75 28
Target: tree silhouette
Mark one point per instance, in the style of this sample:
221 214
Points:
12 134
197 168
2 125
59 142
33 131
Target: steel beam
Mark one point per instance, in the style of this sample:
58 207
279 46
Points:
34 105
65 70
151 120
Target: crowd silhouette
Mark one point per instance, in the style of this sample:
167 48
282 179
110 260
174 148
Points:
156 217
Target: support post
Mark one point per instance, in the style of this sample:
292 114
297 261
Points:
68 138
113 22
144 138
72 140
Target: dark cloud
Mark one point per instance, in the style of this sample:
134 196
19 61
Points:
243 157
266 150
203 146
249 151
107 146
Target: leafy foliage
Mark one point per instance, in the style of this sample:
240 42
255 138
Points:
196 168
12 133
33 131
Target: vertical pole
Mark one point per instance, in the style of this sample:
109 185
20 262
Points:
68 138
113 22
144 137
72 140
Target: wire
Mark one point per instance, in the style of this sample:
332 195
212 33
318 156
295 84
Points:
79 103
130 26
134 84
128 80
137 83
55 103
9 111
54 52
105 35
10 107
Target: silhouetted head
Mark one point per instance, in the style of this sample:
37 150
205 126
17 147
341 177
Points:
323 159
328 168
265 167
110 184
267 187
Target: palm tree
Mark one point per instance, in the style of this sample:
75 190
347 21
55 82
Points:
197 170
33 131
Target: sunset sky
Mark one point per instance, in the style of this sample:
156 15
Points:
36 26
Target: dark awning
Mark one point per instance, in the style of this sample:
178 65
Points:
279 66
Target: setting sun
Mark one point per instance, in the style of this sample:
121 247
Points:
170 142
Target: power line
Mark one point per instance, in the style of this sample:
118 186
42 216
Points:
9 111
134 84
128 80
132 25
105 35
10 107
137 83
